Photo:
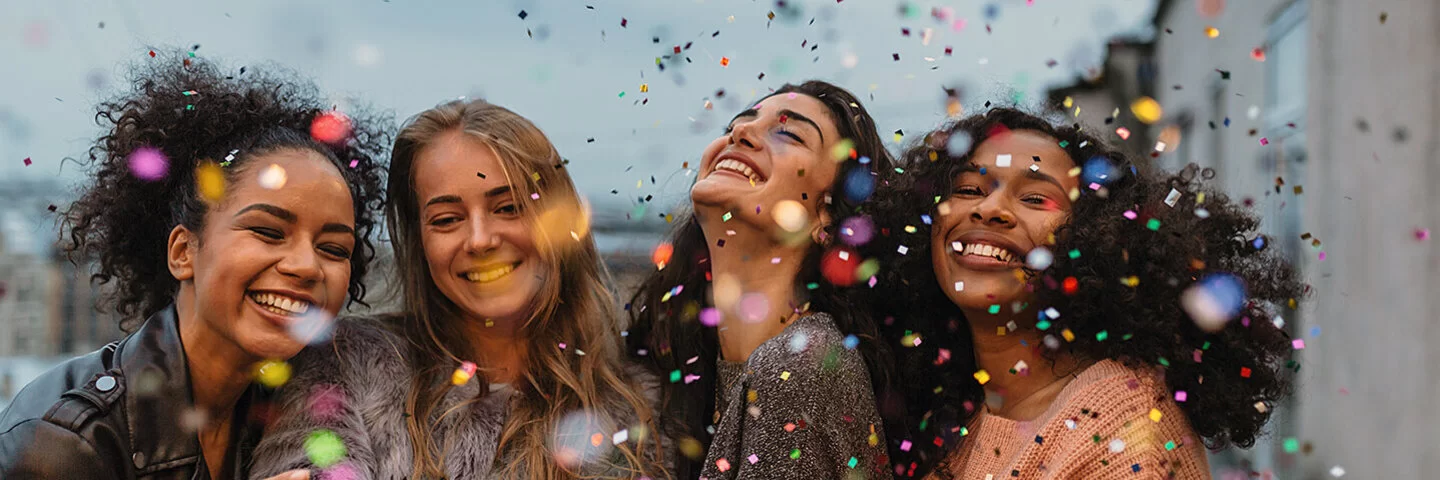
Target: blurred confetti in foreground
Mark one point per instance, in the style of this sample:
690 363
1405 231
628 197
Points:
1214 301
148 164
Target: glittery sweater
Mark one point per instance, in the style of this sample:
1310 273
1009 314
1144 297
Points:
1110 422
800 407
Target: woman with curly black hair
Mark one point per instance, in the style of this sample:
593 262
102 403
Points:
233 212
772 364
1060 313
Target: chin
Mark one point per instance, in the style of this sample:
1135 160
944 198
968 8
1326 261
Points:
272 345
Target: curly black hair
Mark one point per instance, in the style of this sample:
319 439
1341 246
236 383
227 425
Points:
1116 235
192 111
666 329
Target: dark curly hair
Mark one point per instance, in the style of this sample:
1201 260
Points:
192 111
1202 233
666 326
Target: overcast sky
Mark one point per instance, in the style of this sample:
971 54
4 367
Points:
59 57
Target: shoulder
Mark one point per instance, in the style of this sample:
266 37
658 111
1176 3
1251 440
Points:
36 449
67 394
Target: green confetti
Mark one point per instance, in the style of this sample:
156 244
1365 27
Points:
1075 253
324 448
1164 362
1292 445
1064 143
1043 325
725 217
994 309
622 95
812 285
853 461
794 454
1102 335
674 376
1153 224
1206 346
1170 445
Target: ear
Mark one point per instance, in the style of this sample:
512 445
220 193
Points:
180 253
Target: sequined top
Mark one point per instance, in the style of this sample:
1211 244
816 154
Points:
800 407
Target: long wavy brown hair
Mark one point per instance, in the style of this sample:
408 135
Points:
574 307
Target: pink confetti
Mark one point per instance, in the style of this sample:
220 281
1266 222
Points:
562 345
753 458
905 446
327 403
148 164
1299 344
27 161
723 464
1130 214
1322 256
1421 234
1180 395
1264 141
710 317
354 163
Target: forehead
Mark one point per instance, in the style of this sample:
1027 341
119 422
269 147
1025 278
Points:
457 159
300 174
1021 148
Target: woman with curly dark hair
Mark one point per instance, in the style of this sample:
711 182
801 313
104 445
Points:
234 213
1061 313
772 366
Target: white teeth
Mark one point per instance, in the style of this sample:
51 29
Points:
490 275
984 251
281 304
738 167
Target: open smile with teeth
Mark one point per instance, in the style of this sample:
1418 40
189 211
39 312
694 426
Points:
280 304
490 274
984 250
740 168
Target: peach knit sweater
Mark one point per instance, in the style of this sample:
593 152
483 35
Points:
1110 422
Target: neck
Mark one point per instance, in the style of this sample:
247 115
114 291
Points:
748 263
219 373
1027 393
498 350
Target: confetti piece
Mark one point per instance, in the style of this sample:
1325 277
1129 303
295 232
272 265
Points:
27 161
661 256
1258 54
1292 445
1039 258
905 445
790 215
1245 372
1214 301
1212 32
1146 109
982 376
1117 446
463 373
1298 343
523 14
1260 407
1123 132
1002 160
959 286
1173 197
1264 141
1155 415
1422 234
147 164
210 181
272 373
331 127
1337 471
272 177
710 317
324 448
724 61
1180 395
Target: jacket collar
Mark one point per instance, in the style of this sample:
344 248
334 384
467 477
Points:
158 394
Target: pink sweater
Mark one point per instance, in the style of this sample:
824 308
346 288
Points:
1110 422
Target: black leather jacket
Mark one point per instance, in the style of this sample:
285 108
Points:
116 413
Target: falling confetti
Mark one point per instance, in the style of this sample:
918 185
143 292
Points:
324 448
272 373
210 181
331 127
148 164
1214 301
272 177
790 215
1146 110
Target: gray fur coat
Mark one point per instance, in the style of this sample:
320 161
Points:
355 386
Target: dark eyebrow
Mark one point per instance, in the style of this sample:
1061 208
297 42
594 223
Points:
283 214
443 199
497 191
1044 177
751 112
337 228
797 116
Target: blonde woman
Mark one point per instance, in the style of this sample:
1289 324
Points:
501 281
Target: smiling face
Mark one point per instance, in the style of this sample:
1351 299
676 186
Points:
779 150
271 258
478 247
996 214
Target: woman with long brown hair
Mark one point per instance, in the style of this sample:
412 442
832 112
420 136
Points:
501 281
773 363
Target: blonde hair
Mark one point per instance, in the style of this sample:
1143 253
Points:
574 306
